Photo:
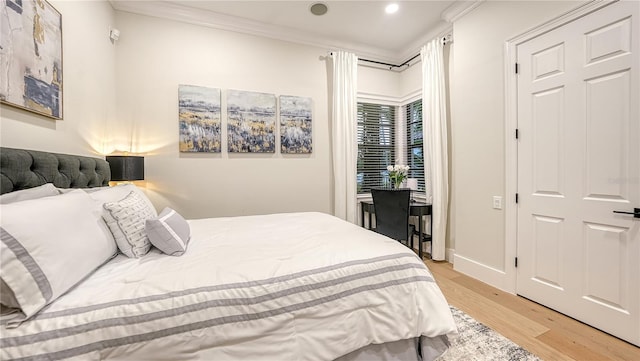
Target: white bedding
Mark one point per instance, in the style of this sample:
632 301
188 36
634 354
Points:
297 286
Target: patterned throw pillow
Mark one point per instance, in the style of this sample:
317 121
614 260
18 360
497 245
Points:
116 193
126 220
169 232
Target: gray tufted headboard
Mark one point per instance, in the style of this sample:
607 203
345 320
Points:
21 169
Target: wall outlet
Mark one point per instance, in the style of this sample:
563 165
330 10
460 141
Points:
497 202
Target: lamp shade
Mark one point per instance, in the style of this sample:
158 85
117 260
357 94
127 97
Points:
412 183
126 167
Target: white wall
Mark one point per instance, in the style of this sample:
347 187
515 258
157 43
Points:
411 79
379 82
144 68
155 55
478 128
88 85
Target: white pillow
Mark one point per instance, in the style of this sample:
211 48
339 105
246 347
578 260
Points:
50 244
88 190
169 232
126 220
45 190
117 193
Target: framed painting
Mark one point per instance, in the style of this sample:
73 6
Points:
200 121
31 56
295 124
251 122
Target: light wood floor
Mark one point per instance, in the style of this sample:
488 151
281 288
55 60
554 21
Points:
544 332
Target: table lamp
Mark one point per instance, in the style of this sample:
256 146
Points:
412 183
126 167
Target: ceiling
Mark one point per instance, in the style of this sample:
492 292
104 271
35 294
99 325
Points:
362 27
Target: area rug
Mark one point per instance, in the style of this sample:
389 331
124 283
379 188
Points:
480 343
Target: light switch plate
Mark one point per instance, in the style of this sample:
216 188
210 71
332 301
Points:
497 202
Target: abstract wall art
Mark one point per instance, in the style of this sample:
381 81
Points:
251 122
31 56
295 124
199 116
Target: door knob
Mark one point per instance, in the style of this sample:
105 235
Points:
636 212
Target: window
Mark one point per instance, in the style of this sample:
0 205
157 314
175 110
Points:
376 134
415 153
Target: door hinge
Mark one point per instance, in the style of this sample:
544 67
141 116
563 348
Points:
517 68
517 133
516 197
516 262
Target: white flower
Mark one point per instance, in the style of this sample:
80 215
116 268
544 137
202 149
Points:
398 169
398 173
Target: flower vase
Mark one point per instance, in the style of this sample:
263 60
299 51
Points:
395 184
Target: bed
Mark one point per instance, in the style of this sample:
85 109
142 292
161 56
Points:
293 286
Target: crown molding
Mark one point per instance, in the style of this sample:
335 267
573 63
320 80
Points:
415 46
459 9
178 12
454 12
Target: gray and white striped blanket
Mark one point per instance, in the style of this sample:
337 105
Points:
297 286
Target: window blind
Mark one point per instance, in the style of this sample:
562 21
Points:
415 149
376 134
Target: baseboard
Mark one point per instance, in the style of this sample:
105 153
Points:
449 255
489 275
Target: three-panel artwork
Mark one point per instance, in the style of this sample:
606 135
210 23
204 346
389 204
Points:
251 121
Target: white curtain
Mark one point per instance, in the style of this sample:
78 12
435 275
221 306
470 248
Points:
434 121
344 134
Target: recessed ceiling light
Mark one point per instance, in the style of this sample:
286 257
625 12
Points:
391 8
318 9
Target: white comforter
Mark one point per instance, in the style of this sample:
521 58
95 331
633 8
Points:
299 286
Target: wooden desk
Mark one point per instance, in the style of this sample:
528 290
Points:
417 209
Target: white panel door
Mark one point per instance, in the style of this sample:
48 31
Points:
578 162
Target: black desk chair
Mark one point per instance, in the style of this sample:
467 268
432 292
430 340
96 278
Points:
392 213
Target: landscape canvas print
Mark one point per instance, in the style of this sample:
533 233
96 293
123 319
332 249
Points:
31 56
200 120
295 124
251 122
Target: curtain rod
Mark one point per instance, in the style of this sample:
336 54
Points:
445 39
390 65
